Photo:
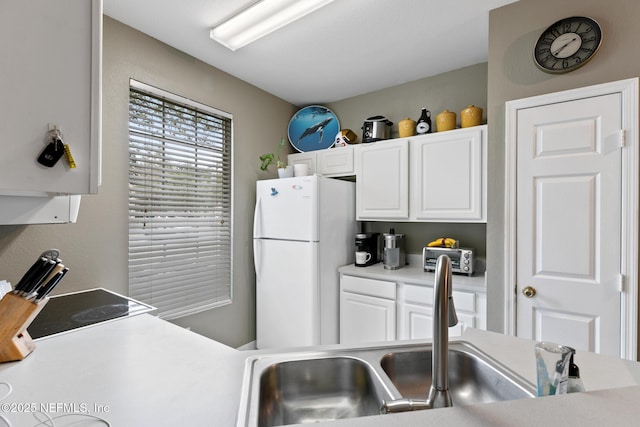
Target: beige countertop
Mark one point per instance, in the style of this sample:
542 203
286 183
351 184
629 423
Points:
137 371
142 371
414 273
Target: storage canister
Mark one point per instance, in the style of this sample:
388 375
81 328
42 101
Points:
406 127
471 116
446 120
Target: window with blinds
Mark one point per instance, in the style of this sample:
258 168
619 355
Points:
179 202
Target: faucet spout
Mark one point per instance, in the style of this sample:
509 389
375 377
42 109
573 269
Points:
444 316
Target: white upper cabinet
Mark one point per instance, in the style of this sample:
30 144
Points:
440 177
310 159
335 162
51 76
382 180
448 176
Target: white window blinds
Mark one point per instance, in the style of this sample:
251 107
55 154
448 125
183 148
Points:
179 203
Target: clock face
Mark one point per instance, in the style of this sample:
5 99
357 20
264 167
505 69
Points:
567 44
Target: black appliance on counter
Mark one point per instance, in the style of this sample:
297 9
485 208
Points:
369 242
81 309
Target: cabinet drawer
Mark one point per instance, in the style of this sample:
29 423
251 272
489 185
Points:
464 301
423 295
337 161
372 287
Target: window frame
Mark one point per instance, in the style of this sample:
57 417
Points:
164 95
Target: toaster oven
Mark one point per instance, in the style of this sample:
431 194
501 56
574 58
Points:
462 259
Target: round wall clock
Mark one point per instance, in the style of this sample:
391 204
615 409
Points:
567 44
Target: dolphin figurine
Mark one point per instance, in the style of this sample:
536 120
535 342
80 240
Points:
318 127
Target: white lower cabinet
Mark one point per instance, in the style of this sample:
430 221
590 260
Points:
377 310
415 311
367 310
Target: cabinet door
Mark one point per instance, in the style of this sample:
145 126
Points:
415 322
51 53
337 161
309 159
364 318
448 176
382 180
415 312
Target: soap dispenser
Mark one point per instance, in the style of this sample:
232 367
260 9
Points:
574 384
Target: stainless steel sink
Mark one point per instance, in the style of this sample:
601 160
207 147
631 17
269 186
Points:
314 390
305 387
473 378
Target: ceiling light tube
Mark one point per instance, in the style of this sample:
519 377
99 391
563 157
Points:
260 19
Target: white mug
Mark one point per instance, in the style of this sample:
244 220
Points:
362 257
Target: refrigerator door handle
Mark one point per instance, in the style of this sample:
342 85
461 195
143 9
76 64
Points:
257 257
257 213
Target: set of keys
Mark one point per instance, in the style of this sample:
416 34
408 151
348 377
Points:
55 150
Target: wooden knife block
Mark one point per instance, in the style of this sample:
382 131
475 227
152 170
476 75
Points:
16 314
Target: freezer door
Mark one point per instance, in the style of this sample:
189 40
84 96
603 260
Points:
287 209
287 293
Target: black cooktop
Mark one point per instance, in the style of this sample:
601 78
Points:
81 309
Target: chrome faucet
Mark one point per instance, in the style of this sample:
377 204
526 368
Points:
444 316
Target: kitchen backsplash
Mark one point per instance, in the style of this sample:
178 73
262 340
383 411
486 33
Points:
417 235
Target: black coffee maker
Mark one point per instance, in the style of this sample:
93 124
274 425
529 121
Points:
369 243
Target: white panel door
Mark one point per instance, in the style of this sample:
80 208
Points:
569 208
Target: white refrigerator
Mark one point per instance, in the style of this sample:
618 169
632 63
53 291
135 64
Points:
303 230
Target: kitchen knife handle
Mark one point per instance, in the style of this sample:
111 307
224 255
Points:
52 283
38 289
39 277
31 272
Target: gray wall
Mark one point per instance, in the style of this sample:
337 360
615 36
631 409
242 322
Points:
512 75
454 91
96 247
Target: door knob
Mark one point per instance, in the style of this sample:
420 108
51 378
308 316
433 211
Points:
529 292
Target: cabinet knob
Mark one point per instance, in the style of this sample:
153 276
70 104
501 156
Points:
529 292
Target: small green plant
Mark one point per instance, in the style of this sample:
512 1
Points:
267 159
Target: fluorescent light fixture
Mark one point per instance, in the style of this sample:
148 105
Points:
260 19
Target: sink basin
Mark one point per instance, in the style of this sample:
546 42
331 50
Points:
472 377
314 390
306 387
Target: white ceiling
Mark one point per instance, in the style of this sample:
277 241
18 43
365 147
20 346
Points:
344 49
